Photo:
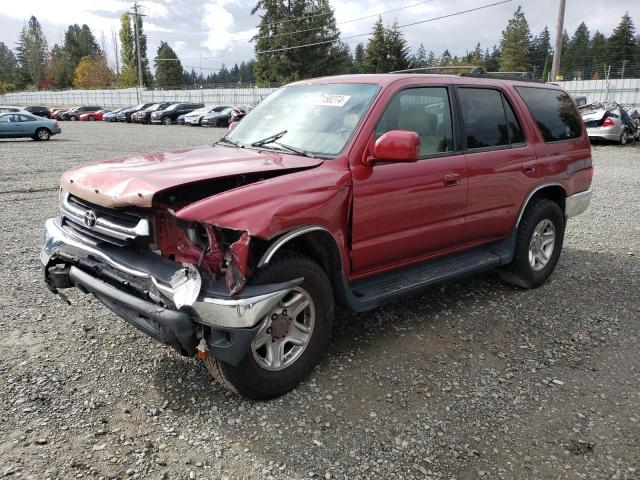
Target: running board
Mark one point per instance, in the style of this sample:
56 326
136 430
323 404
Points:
367 294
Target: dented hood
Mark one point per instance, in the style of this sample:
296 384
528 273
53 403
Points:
136 179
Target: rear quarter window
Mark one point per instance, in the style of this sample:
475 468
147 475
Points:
553 112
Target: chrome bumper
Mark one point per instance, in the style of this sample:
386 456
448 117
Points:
577 203
175 284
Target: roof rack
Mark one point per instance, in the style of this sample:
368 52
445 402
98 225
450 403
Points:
472 71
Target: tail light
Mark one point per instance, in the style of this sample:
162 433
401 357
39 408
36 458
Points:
607 122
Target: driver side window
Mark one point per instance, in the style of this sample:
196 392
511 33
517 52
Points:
427 112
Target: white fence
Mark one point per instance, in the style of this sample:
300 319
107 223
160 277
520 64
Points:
132 96
625 91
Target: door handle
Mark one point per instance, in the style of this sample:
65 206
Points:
451 180
528 168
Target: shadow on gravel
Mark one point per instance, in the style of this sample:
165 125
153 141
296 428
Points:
476 315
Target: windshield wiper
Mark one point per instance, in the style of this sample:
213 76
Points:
269 139
229 141
293 149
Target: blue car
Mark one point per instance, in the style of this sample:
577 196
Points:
113 116
18 125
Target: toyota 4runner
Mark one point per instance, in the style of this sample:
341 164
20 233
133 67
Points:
350 189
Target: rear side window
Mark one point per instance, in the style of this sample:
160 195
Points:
554 113
489 120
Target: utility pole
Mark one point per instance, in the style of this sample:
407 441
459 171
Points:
555 68
137 35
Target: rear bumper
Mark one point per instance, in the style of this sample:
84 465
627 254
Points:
162 298
611 134
577 203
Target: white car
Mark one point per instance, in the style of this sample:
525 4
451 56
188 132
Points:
12 109
195 118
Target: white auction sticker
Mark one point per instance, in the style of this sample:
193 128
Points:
330 100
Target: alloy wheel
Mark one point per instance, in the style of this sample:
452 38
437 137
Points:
541 245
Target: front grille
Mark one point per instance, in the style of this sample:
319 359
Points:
98 224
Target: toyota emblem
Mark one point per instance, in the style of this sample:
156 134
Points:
90 218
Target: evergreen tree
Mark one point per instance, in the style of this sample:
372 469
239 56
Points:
168 67
597 55
147 78
292 23
375 55
431 59
621 47
31 54
575 59
446 60
419 59
397 50
358 57
128 74
8 67
515 43
539 53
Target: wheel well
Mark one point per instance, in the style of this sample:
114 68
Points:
555 193
320 246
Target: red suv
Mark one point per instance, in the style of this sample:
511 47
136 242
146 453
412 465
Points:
355 190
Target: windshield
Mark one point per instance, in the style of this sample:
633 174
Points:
316 118
153 107
172 107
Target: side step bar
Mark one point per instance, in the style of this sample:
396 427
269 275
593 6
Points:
367 294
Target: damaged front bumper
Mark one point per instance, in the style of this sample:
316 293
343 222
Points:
164 299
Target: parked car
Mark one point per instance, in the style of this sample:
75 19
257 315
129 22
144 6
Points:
74 113
113 116
237 114
357 189
56 111
218 119
91 116
170 114
195 118
144 116
43 112
125 115
11 109
609 121
19 125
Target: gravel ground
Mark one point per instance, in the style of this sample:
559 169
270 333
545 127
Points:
472 380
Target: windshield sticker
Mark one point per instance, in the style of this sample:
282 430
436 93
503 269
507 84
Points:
325 100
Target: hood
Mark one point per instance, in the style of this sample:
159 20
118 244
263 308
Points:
136 179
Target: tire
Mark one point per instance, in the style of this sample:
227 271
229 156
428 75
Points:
252 378
528 270
624 136
90 118
42 135
166 120
73 119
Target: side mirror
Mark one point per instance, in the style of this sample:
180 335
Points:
398 146
233 125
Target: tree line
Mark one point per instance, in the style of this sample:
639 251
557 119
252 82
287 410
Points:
300 39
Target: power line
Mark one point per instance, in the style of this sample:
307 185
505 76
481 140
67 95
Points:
324 42
346 21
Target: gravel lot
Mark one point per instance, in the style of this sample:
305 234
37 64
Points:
472 380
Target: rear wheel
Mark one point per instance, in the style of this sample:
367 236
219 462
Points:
291 338
538 245
91 118
624 137
42 134
166 120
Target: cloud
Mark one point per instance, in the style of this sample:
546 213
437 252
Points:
219 22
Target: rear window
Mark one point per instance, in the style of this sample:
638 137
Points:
554 113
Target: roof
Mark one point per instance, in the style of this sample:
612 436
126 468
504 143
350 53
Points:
385 79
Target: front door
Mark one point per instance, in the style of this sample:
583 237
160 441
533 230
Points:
409 211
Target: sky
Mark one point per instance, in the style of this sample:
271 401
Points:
208 33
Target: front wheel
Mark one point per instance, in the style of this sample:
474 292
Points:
538 245
291 338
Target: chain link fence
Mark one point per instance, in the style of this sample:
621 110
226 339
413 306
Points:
245 96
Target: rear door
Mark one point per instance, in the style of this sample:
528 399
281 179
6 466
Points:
500 162
404 212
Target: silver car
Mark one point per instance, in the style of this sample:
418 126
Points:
609 121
